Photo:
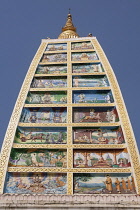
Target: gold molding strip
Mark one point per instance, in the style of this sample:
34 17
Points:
68 124
69 183
65 170
83 50
73 105
68 88
70 145
50 75
47 63
54 52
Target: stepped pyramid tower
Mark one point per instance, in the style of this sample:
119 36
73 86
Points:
69 139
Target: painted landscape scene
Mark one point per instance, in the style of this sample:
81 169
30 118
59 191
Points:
90 81
101 158
50 82
54 47
56 57
51 97
96 183
44 115
48 135
94 115
100 135
86 56
92 96
81 45
36 183
51 69
38 158
87 68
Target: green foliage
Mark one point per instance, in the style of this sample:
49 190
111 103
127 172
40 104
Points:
59 164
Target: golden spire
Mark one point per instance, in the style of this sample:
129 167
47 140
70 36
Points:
68 31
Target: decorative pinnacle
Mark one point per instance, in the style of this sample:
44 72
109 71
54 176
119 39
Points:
69 25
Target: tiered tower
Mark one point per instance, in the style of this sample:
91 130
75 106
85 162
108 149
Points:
70 133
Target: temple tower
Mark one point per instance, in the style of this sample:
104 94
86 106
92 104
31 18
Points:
69 133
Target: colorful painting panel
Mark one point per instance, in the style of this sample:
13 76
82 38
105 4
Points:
38 158
96 183
81 45
44 115
51 69
50 82
92 96
38 135
90 81
56 57
101 158
54 47
36 183
59 97
87 68
86 56
100 135
95 115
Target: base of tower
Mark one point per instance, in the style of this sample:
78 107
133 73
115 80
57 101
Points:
75 202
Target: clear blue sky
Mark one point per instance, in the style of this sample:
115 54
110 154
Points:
115 23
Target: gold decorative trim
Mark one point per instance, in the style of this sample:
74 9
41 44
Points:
84 50
95 73
69 183
57 51
68 124
70 145
50 75
123 115
68 88
48 63
9 137
65 170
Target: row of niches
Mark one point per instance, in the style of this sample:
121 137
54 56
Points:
76 68
58 158
77 81
83 183
58 135
60 97
62 57
79 115
74 46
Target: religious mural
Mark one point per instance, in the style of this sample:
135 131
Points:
95 114
101 183
101 158
90 81
100 135
55 47
36 183
92 96
81 45
86 56
49 97
38 158
51 69
56 57
47 135
44 115
50 82
87 68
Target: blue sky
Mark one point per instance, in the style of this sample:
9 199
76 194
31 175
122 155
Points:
114 23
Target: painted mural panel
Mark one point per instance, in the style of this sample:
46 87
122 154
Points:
51 97
101 158
96 183
90 81
44 115
51 69
95 114
38 158
48 135
81 45
86 56
50 82
92 96
56 57
87 68
36 183
100 135
54 47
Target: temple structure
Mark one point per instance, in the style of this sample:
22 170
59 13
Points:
69 142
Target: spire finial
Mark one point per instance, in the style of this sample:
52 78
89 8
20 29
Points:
68 29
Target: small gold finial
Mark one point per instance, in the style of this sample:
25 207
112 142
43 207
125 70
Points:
68 31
